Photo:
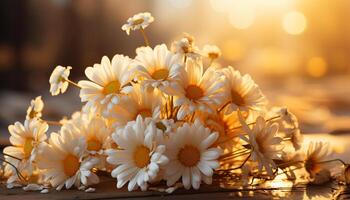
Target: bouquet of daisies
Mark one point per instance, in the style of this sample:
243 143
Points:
161 117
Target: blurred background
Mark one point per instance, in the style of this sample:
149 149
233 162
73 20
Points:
297 51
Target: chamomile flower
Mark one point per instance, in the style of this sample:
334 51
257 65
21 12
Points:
186 47
35 108
191 155
243 93
198 90
226 125
140 155
211 51
58 80
25 139
317 153
138 102
264 144
106 81
138 21
157 68
63 161
95 131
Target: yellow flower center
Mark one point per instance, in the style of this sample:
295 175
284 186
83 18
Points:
160 74
141 156
161 126
27 147
144 113
93 144
71 165
112 87
189 156
194 92
213 55
237 98
32 114
138 21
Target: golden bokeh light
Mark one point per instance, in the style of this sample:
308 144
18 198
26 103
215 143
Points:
233 50
316 67
242 14
294 23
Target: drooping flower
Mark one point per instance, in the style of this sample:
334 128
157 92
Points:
138 21
191 155
317 153
140 155
157 68
58 80
26 140
263 142
198 90
211 51
243 93
106 81
35 108
138 102
63 161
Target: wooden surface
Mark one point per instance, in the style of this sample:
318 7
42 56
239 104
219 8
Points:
107 190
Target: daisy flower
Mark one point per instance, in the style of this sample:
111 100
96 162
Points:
317 153
138 21
226 125
35 108
243 93
58 80
63 161
95 131
25 139
288 125
157 68
138 102
106 81
186 47
191 155
263 142
211 51
140 155
199 91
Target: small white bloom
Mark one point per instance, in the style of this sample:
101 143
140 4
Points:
63 161
199 90
26 141
191 155
157 68
35 108
211 51
58 79
186 47
242 92
138 102
138 21
264 144
140 156
106 82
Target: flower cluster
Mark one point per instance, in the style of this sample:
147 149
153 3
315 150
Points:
162 115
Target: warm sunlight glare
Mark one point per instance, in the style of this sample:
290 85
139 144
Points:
294 23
